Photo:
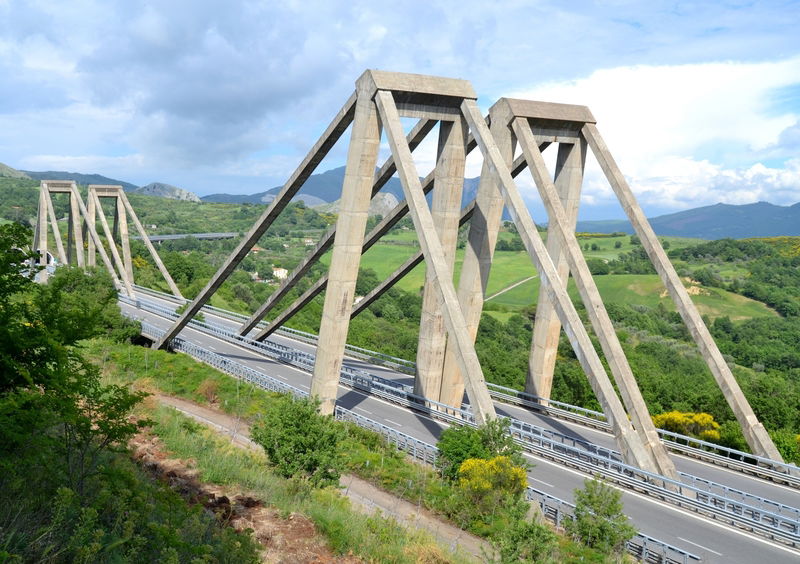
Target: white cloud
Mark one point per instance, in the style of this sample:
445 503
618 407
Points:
660 121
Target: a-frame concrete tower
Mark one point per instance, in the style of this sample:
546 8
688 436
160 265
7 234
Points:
446 361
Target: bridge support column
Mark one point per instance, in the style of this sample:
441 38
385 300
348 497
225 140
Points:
479 252
75 224
446 212
547 328
481 403
628 441
41 228
598 316
124 238
91 251
362 157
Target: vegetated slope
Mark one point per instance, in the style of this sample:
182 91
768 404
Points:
8 172
78 177
167 191
719 221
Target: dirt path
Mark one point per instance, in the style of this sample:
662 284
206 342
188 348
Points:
363 495
508 288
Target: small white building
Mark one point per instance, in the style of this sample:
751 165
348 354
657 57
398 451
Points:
279 273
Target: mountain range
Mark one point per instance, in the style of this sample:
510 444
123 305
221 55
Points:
322 190
717 221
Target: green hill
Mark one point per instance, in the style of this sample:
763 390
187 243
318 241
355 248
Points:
8 172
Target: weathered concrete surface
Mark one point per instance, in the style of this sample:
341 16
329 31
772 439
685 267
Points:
596 311
362 157
478 256
547 328
445 212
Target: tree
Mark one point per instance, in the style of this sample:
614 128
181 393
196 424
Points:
617 244
635 240
300 442
599 521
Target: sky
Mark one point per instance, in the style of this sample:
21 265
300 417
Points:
699 102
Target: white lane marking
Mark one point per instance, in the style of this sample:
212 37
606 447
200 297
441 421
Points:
392 422
364 410
700 546
212 348
542 482
303 386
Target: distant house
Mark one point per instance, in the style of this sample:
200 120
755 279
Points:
256 249
279 273
308 242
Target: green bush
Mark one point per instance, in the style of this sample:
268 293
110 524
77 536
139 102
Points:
525 541
458 444
599 521
300 442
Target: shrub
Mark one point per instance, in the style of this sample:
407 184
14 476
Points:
525 541
486 484
599 521
300 442
458 444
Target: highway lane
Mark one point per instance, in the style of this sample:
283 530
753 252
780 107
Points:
731 478
720 543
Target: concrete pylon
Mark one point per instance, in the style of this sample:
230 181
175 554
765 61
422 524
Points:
478 255
445 211
362 157
420 97
628 441
754 432
547 328
76 214
536 116
442 275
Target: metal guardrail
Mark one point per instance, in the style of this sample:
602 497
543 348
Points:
643 547
555 446
733 459
719 455
374 357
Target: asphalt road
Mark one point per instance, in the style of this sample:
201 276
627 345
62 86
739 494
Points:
714 542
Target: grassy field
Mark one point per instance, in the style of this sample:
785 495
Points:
646 289
511 267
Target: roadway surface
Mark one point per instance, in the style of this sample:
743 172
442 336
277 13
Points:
713 541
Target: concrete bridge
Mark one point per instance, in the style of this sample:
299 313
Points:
447 366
